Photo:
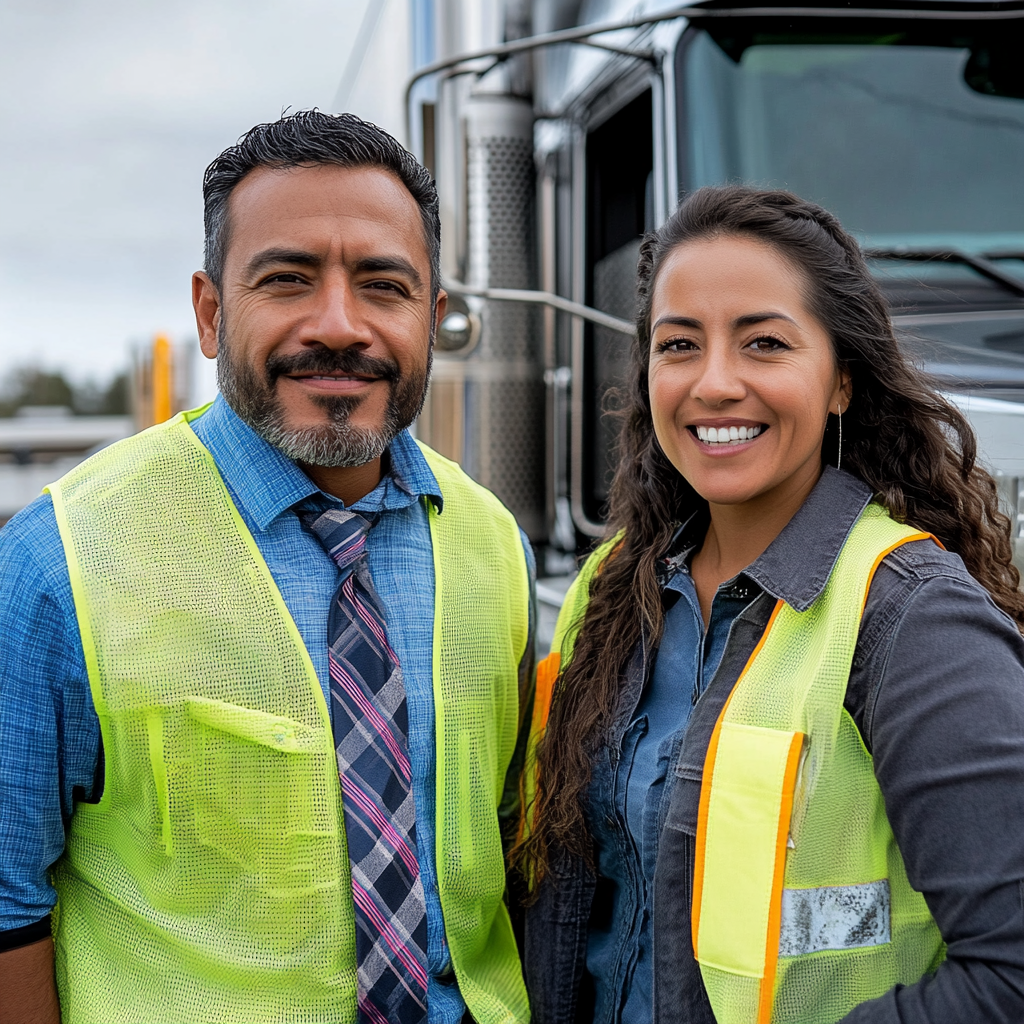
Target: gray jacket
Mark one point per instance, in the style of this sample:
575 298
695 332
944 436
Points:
937 691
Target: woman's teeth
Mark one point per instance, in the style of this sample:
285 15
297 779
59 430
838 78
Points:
727 435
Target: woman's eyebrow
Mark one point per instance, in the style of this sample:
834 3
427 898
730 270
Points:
749 319
678 321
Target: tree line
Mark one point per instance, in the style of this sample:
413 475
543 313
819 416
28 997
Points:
31 385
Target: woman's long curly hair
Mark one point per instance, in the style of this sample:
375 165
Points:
913 448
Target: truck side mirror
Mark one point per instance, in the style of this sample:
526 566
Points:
459 331
996 69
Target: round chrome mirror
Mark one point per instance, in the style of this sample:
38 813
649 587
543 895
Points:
456 331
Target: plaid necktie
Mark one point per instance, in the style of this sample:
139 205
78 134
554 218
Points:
371 723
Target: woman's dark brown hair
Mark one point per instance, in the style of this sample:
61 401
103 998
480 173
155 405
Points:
914 449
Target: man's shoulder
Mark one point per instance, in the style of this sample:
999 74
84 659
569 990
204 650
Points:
31 552
33 528
474 513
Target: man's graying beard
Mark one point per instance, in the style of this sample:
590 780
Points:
337 443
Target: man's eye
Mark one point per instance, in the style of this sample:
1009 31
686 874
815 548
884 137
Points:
285 277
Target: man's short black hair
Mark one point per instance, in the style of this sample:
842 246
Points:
310 138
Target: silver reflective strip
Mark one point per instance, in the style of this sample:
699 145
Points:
834 917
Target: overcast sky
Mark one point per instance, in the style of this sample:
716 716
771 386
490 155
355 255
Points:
110 111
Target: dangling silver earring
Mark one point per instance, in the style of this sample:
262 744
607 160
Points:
839 457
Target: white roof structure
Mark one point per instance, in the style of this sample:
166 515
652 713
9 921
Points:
45 443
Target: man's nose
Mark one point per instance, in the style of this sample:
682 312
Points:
719 378
337 318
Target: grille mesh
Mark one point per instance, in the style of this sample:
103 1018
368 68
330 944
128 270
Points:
504 430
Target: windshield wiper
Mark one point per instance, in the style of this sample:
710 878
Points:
981 264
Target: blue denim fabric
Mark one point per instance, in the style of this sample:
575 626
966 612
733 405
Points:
49 734
629 794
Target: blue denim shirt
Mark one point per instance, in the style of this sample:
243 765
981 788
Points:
629 793
49 733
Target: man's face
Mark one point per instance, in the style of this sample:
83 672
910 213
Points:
323 324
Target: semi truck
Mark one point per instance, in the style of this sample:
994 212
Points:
572 128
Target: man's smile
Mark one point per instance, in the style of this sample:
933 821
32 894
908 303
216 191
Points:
333 383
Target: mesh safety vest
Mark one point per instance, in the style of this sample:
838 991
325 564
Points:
801 905
211 882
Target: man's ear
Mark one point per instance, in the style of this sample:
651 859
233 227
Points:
206 303
440 309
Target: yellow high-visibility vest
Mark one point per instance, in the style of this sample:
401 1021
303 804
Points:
211 881
801 905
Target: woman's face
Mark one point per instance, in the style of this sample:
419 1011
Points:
742 376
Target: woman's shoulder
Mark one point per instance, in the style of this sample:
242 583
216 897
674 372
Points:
929 624
915 579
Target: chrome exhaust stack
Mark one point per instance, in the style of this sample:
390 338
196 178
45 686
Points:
485 408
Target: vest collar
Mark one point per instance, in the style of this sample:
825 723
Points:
797 564
267 484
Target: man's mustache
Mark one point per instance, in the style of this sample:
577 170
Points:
328 361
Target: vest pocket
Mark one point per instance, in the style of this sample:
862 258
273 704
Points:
261 794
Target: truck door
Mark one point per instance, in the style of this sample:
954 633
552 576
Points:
617 207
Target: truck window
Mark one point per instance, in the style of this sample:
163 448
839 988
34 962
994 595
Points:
620 160
881 128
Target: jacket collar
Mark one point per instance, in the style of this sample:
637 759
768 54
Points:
797 564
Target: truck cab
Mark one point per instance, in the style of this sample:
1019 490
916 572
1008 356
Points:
558 148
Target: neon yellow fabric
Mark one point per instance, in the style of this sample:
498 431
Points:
211 881
574 607
838 832
481 629
743 824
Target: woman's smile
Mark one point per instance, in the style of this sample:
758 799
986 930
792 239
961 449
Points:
726 435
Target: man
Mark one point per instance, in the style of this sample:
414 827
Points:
261 666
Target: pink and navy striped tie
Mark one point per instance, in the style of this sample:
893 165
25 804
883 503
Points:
371 724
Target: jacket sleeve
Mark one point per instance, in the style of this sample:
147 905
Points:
944 720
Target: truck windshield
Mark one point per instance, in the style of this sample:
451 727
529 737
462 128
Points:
884 130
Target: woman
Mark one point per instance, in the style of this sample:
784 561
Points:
782 778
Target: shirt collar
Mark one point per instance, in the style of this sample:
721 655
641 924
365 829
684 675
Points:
797 564
267 483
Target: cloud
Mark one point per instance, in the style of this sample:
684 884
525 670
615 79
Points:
110 111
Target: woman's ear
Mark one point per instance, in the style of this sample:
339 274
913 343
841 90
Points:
843 394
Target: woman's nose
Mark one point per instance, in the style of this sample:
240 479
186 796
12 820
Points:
719 377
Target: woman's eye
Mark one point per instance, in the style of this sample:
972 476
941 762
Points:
766 343
676 345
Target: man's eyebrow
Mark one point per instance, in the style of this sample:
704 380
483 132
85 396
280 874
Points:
298 257
388 264
276 257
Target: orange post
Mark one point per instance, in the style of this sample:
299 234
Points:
163 380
